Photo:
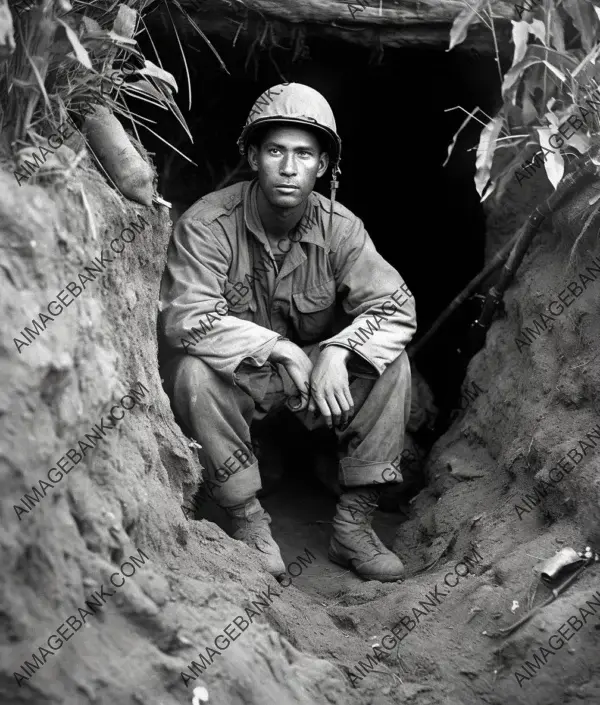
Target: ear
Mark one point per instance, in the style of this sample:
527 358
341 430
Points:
323 164
253 157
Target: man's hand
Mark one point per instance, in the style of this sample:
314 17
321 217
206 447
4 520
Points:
330 387
297 365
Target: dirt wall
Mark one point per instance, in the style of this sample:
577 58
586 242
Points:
518 473
117 509
76 373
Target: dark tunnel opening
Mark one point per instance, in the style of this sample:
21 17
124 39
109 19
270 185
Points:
424 218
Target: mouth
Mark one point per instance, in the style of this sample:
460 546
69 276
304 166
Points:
286 189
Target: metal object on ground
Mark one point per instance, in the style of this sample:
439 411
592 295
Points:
158 199
555 593
553 567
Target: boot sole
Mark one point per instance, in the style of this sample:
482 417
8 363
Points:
347 563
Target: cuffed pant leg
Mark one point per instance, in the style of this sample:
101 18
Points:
218 415
370 446
375 436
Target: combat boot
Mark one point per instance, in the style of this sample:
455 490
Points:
250 524
354 544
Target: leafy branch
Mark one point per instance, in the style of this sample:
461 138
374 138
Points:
553 79
72 53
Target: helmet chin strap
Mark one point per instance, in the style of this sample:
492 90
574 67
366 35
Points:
334 183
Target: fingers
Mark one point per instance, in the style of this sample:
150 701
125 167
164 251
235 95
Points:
336 406
345 409
350 403
330 408
335 409
307 398
312 404
349 399
306 395
323 407
300 401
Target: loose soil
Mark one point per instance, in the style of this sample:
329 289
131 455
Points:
537 405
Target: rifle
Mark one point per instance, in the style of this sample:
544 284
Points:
511 256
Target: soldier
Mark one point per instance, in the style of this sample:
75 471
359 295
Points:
273 292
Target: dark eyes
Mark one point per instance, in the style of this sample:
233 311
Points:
302 152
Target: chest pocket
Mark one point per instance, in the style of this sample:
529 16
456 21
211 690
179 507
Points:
315 310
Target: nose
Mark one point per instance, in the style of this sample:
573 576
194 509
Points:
288 165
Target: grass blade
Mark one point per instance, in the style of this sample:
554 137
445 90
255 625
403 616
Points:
187 71
201 33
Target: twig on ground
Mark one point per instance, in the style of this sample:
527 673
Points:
448 548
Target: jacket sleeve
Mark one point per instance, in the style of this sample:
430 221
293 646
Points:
194 309
374 295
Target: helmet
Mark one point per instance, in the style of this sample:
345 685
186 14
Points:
294 104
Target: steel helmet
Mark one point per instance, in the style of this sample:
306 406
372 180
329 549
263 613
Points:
296 104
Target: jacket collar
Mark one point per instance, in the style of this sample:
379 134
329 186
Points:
308 225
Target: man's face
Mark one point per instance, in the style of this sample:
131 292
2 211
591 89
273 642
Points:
288 163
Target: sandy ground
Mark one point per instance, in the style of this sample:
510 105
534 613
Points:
455 654
536 406
447 658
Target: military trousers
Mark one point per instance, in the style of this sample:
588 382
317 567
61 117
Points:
219 415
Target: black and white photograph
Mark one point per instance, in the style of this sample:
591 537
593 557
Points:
316 284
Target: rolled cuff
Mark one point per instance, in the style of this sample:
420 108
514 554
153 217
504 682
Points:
355 472
229 494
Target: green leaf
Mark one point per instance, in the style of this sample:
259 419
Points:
590 58
485 153
580 138
584 21
580 141
163 98
90 24
463 21
557 31
145 88
80 51
520 35
530 113
555 71
155 71
201 33
552 119
553 163
537 28
125 21
114 37
513 75
457 133
509 85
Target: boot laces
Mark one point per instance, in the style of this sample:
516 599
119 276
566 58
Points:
367 533
255 530
375 542
368 505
